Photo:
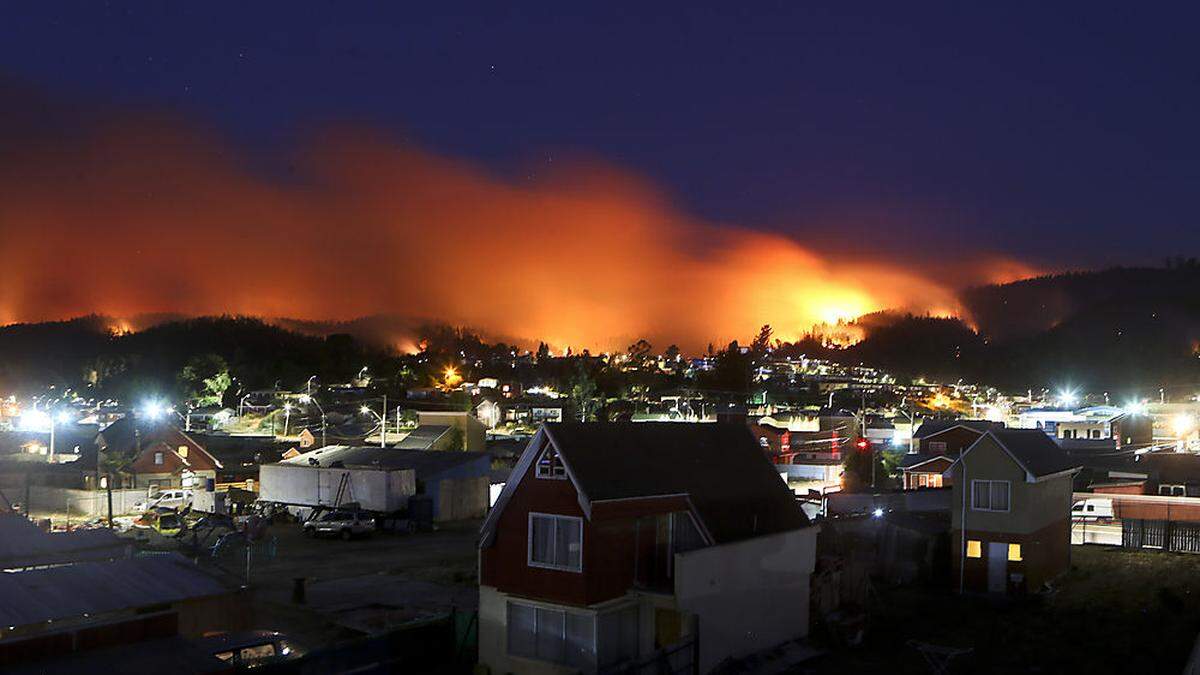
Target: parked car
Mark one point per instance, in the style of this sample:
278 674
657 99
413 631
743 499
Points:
168 523
1092 509
249 649
175 499
345 524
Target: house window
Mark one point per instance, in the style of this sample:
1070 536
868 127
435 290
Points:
556 542
182 451
549 465
158 458
922 480
937 446
974 548
1171 490
1014 552
989 495
552 635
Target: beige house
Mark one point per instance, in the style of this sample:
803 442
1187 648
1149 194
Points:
1012 501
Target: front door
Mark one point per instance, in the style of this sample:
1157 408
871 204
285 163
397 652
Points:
997 567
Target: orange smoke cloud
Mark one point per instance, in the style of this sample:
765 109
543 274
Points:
153 217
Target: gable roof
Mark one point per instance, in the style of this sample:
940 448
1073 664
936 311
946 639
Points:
933 427
734 490
911 460
1034 451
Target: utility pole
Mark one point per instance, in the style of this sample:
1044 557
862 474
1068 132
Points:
383 425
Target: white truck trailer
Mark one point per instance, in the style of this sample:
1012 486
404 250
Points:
301 487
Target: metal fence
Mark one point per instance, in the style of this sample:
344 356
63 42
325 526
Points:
1165 535
442 644
681 658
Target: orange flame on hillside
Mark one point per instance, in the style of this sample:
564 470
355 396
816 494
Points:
150 217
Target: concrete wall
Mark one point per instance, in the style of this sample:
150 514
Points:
460 498
374 490
749 595
474 432
78 503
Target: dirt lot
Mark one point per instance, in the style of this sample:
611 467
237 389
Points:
1116 611
353 587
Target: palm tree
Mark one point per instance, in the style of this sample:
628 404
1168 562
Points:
111 462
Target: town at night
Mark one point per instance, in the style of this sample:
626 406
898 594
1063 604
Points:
553 339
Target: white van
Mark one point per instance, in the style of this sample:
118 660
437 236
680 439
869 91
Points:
175 499
1092 509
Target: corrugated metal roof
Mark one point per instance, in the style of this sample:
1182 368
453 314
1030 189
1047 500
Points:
70 591
22 543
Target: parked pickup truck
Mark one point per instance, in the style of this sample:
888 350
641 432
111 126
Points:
344 524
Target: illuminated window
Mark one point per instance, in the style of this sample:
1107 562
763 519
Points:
183 451
974 549
1014 552
158 458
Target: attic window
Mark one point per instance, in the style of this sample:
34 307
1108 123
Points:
158 458
550 466
937 446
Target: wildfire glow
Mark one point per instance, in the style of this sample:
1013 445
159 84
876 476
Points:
150 217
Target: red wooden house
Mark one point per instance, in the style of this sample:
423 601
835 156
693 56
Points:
617 543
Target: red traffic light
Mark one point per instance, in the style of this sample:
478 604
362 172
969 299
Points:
862 444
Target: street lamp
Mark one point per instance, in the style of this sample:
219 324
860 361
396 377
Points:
242 402
287 418
60 418
309 399
382 424
308 385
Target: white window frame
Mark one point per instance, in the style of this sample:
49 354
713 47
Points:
595 616
537 465
1171 487
1007 487
529 542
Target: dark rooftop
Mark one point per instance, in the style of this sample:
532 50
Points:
931 427
1035 451
734 488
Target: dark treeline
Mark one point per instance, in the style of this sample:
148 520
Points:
1123 330
1129 330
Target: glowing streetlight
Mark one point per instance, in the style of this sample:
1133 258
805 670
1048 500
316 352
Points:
1067 398
287 418
382 423
1183 424
153 410
309 399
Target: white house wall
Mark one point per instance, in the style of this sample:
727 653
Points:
749 595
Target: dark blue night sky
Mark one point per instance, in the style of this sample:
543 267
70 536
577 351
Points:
1062 135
